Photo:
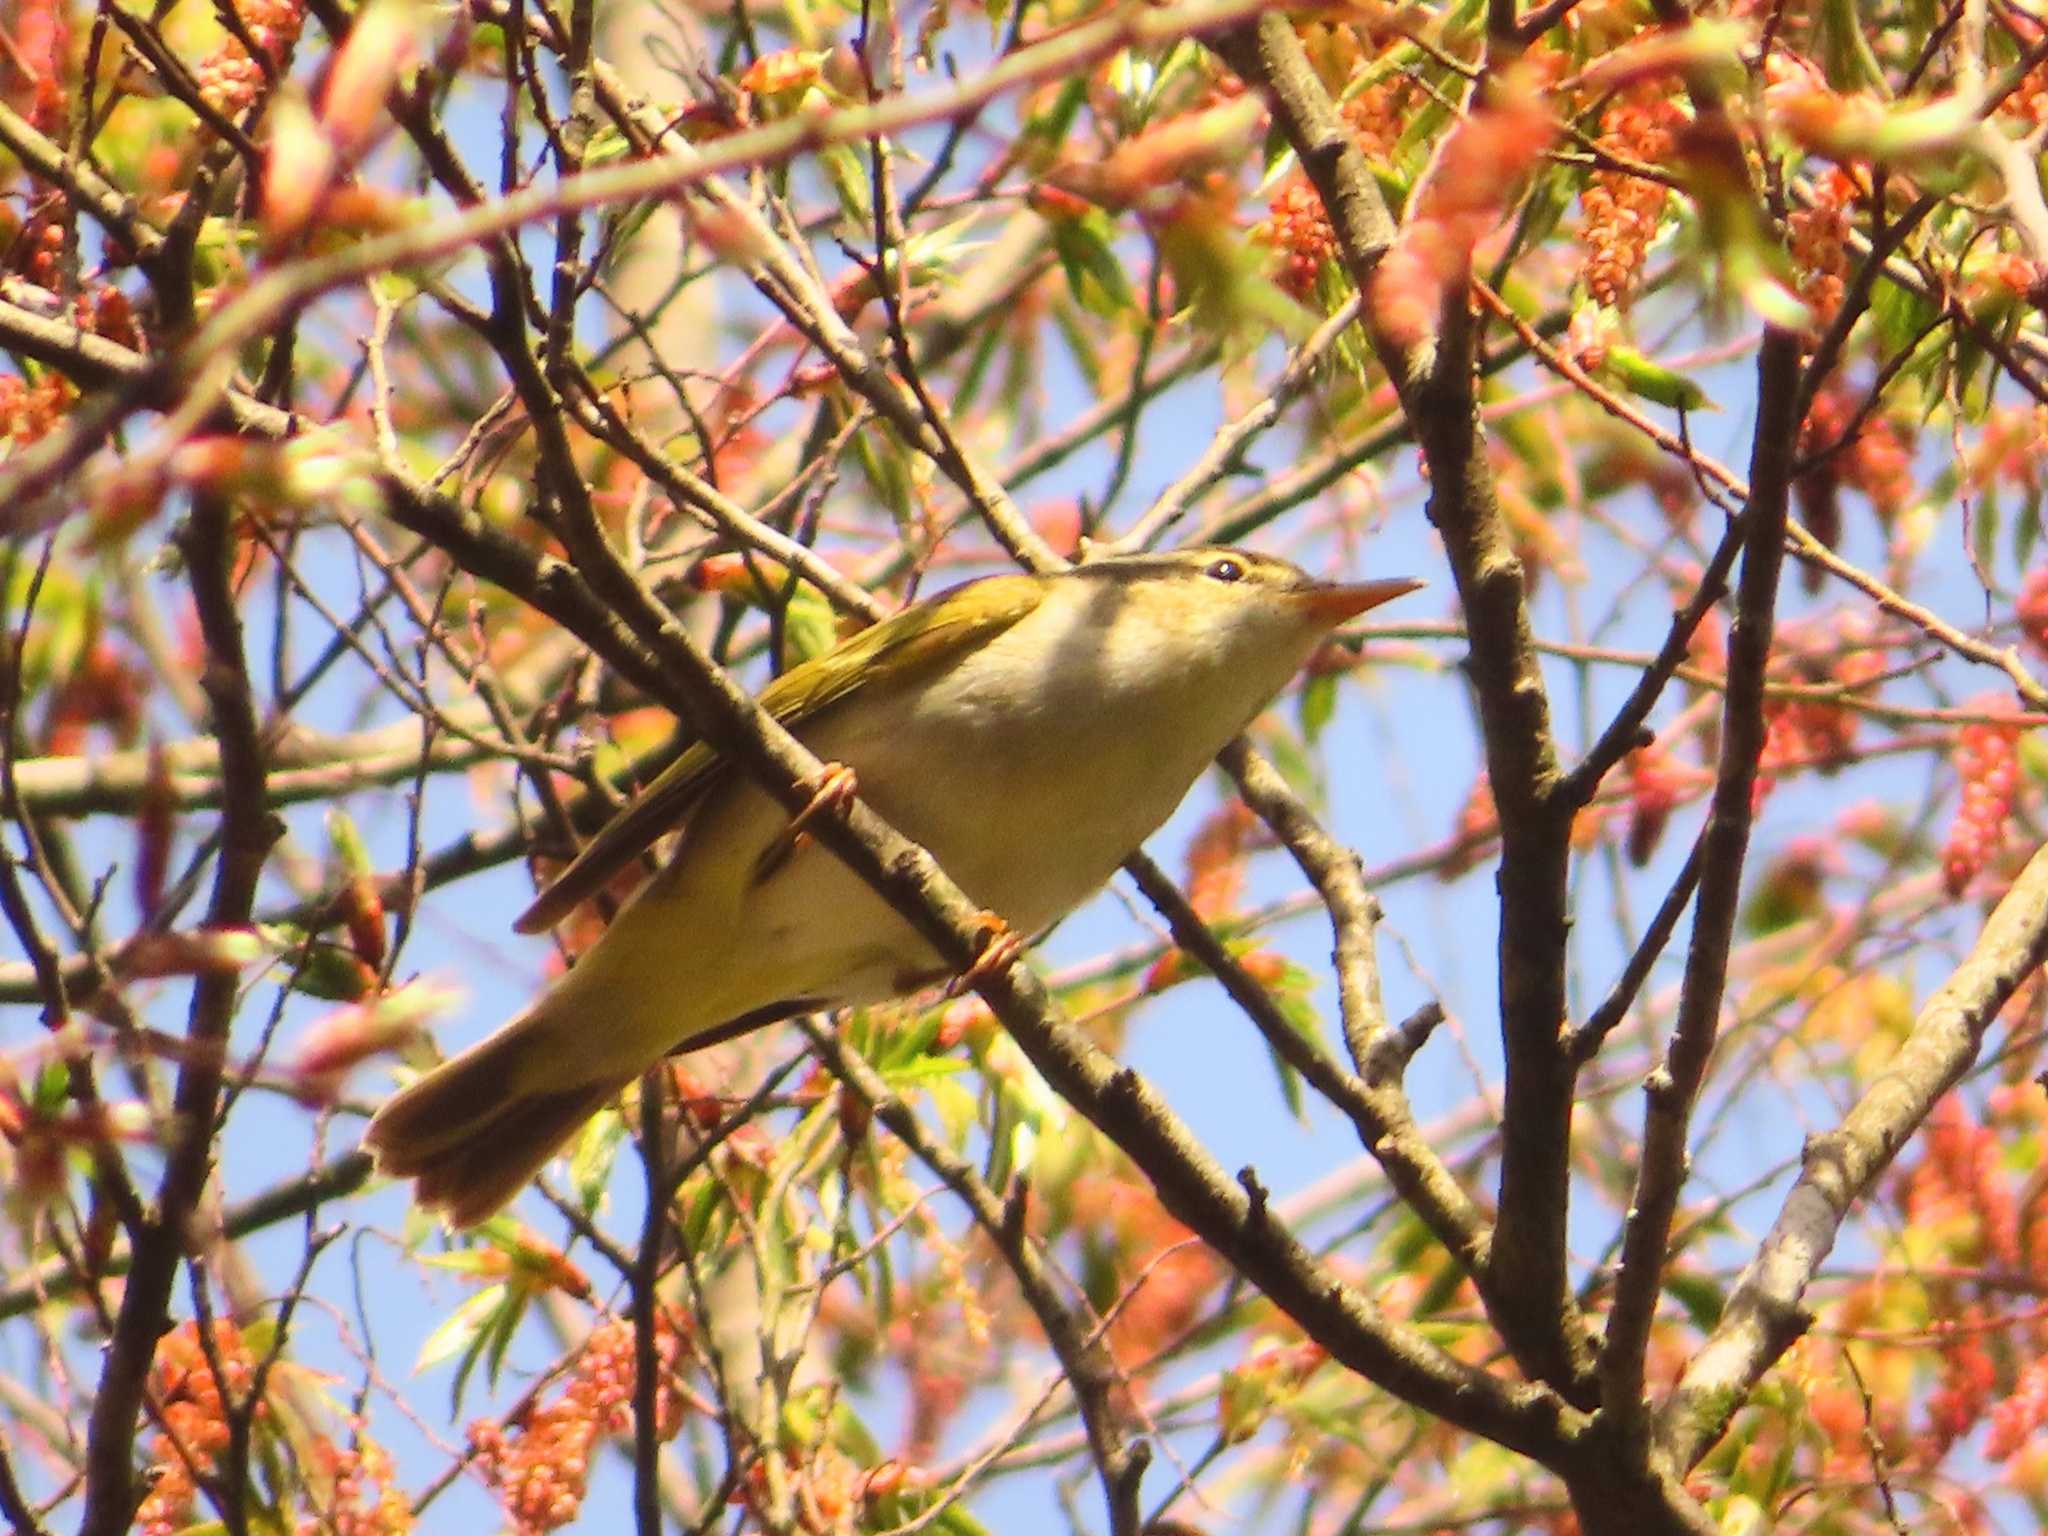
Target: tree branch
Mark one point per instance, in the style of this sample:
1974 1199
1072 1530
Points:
310 766
194 374
247 831
1084 1359
1723 847
1763 1317
1528 1292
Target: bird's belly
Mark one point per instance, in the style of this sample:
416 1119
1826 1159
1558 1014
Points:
1031 858
1031 823
1027 826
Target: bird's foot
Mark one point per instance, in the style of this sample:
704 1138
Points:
1001 945
835 791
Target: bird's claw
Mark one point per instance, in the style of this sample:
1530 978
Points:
836 786
835 790
1001 946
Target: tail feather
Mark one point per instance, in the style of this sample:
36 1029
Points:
471 1179
471 1135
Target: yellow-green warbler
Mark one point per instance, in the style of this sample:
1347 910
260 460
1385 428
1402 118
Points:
1029 730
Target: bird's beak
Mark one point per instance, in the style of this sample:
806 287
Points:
1334 603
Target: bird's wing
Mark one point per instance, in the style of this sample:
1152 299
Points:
914 643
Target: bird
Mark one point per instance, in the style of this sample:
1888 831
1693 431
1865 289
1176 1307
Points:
1029 730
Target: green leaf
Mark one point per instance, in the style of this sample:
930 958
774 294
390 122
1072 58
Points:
1290 1083
2034 756
955 1105
1052 126
1425 126
1292 993
1764 290
1962 354
2026 528
1786 895
1276 158
52 1087
1845 52
504 1323
1024 1147
597 1148
67 614
468 1261
1441 1293
1295 765
1701 1297
846 170
1984 525
482 1329
1318 702
1394 187
882 458
808 628
1128 75
908 1042
957 1522
259 1336
1083 341
1095 274
1899 316
967 393
605 146
1463 20
696 1227
327 971
460 1330
1549 195
1219 279
851 1435
1742 1515
419 1225
883 1290
1639 375
924 1069
1407 1241
1006 1122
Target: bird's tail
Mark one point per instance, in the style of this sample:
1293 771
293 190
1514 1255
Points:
474 1130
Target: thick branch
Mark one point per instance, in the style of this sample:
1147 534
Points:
113 208
1529 1293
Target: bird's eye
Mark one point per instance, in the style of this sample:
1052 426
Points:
1224 570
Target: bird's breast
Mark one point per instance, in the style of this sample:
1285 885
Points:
1028 805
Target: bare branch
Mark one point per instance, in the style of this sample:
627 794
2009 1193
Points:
1674 1086
247 831
1086 1363
1763 1317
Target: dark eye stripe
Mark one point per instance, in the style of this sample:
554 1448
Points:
1224 570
